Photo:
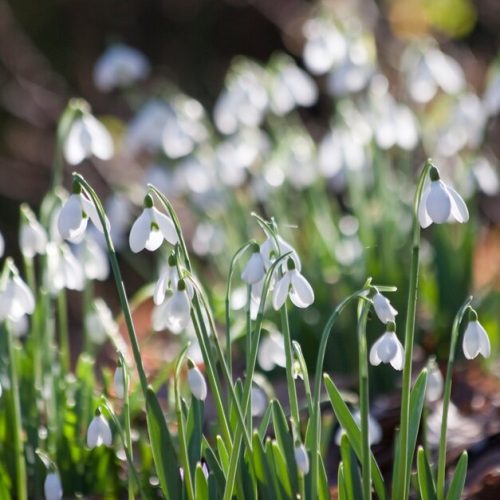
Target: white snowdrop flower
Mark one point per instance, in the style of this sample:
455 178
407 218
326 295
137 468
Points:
168 280
383 308
87 137
20 327
270 252
475 339
175 313
374 429
151 228
64 269
99 432
388 349
75 214
120 66
196 381
32 236
272 351
441 203
99 323
292 284
435 383
259 402
301 458
254 269
52 486
16 298
119 382
93 258
491 97
2 245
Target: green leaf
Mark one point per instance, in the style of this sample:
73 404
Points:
281 467
323 488
214 467
165 457
264 423
353 432
223 454
417 399
458 481
279 492
353 488
341 486
194 431
426 485
201 484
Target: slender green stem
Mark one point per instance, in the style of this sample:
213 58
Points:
62 317
16 419
446 399
290 381
305 374
88 298
364 308
248 344
404 482
126 420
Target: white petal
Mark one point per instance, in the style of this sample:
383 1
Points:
387 347
89 208
158 318
458 207
423 216
32 239
301 292
166 226
280 291
77 146
475 341
52 486
438 202
197 384
2 245
254 269
374 357
101 141
24 295
139 233
154 241
119 382
161 288
383 308
398 360
302 459
71 223
177 311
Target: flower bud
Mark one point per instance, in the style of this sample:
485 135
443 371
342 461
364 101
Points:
52 486
99 432
301 458
197 383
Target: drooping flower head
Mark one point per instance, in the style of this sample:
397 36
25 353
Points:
99 432
435 383
16 298
254 269
383 308
168 280
441 203
196 381
476 339
388 349
151 228
293 285
175 312
301 458
32 236
52 486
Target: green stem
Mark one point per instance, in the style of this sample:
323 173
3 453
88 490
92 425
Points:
446 399
364 308
292 390
21 480
88 299
126 421
62 317
404 482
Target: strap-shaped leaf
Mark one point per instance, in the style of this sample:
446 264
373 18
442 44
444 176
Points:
195 431
352 478
353 432
457 483
417 399
281 468
201 483
426 485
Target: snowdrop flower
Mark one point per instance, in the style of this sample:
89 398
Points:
383 308
476 339
32 236
441 203
270 252
75 214
93 259
16 298
435 383
100 325
196 381
175 312
87 137
258 402
64 269
120 66
272 351
151 228
254 269
119 382
168 280
301 458
388 349
374 429
52 486
99 432
292 284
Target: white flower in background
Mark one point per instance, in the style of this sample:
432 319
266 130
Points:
254 269
486 175
99 432
52 486
20 327
169 278
290 86
325 46
119 382
491 97
196 381
64 269
151 228
374 429
301 458
292 284
16 298
208 239
74 216
100 325
120 66
258 402
2 245
272 351
383 308
32 236
428 69
475 339
435 383
93 258
175 312
441 203
244 100
388 349
119 211
87 137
